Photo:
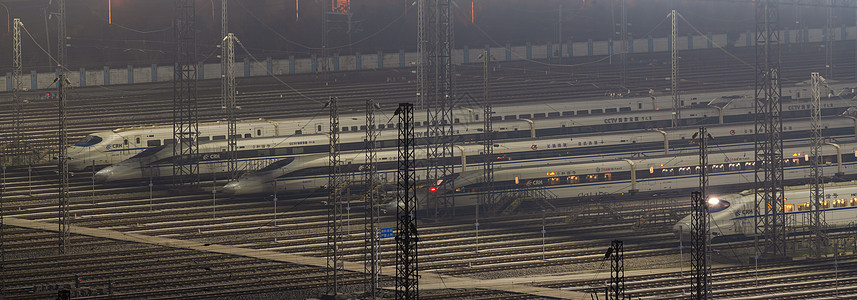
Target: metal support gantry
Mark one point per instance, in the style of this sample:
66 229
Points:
816 190
62 145
616 254
700 229
228 91
335 205
372 214
769 209
487 200
407 238
62 139
435 93
185 115
18 149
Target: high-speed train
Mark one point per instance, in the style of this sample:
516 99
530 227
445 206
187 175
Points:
727 170
733 217
256 153
532 119
295 178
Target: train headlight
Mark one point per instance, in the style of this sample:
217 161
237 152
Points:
713 201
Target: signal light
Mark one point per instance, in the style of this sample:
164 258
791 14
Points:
433 189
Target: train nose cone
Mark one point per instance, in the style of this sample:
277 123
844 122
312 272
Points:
231 188
103 175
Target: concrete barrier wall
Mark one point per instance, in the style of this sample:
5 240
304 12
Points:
368 61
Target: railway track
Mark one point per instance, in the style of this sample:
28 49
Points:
505 244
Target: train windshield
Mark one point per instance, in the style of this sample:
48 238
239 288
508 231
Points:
447 178
277 164
88 140
149 152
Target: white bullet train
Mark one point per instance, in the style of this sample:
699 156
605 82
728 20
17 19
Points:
733 217
255 153
295 178
532 119
728 170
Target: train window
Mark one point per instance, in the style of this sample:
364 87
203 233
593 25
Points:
297 150
636 119
626 108
125 142
456 121
610 110
344 128
853 201
298 132
510 117
318 128
572 179
639 105
597 111
527 116
803 206
218 137
539 116
553 114
667 172
476 117
564 145
608 176
496 118
825 204
202 139
789 208
840 203
153 143
353 128
582 112
684 171
592 177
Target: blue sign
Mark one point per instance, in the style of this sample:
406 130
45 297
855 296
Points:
386 232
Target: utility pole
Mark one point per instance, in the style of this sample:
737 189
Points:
700 224
676 116
372 249
334 202
18 151
623 32
62 145
828 43
769 209
816 192
487 196
185 115
229 90
407 238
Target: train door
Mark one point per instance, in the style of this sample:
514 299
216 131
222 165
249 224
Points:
138 142
258 131
319 128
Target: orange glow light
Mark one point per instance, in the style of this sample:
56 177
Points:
297 15
109 12
472 12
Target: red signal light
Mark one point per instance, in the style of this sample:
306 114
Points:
433 189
